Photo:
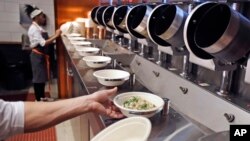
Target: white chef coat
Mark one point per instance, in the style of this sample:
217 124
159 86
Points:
35 35
11 118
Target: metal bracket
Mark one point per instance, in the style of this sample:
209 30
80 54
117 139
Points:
183 90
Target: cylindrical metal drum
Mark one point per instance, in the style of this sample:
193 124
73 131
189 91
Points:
107 17
99 14
93 14
165 25
119 18
190 26
219 31
223 32
136 20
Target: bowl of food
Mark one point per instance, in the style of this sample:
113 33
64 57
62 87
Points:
139 104
111 77
87 51
124 130
97 61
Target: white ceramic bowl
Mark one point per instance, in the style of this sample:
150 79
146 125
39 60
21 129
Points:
87 51
128 129
81 43
152 98
111 77
76 38
97 61
74 35
66 28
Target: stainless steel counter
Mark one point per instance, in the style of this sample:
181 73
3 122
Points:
173 127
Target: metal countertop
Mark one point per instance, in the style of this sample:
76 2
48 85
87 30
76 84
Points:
173 127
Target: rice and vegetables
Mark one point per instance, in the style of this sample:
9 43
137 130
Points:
138 103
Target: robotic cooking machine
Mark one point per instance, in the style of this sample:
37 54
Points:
193 52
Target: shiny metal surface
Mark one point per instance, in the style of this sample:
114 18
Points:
247 74
99 13
226 81
107 17
229 33
195 103
196 98
189 28
171 126
136 20
221 136
142 27
175 25
152 24
166 23
226 41
93 14
119 18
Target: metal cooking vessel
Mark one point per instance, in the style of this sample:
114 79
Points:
221 32
136 20
165 25
107 17
190 26
93 14
99 14
119 18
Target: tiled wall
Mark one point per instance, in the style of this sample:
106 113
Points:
10 29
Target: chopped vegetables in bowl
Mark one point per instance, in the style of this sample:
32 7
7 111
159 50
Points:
138 104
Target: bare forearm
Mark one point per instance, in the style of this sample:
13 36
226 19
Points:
41 115
50 40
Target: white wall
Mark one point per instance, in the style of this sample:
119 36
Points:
10 29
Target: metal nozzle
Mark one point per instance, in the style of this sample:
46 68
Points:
165 109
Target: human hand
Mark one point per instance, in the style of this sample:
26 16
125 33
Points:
58 32
103 105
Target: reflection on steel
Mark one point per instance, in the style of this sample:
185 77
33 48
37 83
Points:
185 66
216 54
132 80
107 17
93 14
136 20
247 73
165 25
130 45
226 41
114 63
142 50
159 59
162 126
166 106
119 18
226 80
195 104
110 2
